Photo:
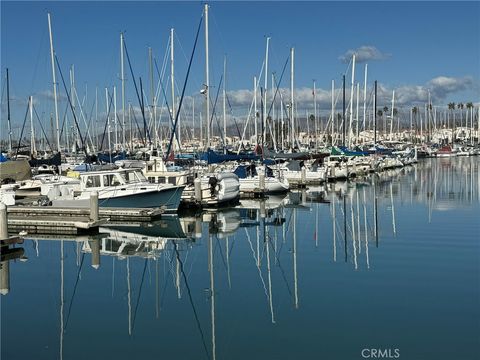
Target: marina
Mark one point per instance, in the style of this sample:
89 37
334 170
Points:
227 194
247 274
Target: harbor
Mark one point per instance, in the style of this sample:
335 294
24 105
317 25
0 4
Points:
368 240
172 186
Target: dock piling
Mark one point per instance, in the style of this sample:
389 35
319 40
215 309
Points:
261 178
94 212
198 190
4 277
95 249
3 222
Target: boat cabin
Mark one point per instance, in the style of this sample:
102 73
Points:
102 179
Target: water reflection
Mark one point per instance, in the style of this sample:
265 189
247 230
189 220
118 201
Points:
256 257
9 251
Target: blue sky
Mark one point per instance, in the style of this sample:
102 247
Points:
419 46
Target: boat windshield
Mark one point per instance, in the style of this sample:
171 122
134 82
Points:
133 177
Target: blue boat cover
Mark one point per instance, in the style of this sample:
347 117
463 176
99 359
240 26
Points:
211 157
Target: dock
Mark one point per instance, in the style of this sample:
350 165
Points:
111 214
69 220
52 220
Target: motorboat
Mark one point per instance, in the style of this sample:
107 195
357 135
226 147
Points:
117 188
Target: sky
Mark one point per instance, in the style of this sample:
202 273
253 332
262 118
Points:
414 48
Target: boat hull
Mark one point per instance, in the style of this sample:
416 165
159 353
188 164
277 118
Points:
168 198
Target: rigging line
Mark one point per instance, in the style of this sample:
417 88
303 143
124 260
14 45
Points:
74 291
164 292
136 91
23 128
191 300
90 118
221 252
278 86
233 116
71 106
82 115
196 83
283 104
281 268
63 120
288 222
41 127
138 127
106 120
142 108
41 45
231 247
256 261
215 109
139 294
184 87
170 115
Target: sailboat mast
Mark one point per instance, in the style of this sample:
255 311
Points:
365 98
274 121
375 115
282 121
292 113
108 121
54 82
351 100
344 127
193 118
225 102
72 90
357 135
315 114
115 116
207 79
255 108
172 79
152 97
122 75
8 115
295 283
264 138
391 116
32 131
212 293
333 110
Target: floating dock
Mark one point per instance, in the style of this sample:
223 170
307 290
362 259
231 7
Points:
56 220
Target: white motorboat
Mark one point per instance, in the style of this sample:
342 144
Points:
117 188
262 180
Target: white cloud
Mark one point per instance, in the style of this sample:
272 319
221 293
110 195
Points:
441 86
364 53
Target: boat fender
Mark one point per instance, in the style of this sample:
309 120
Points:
212 181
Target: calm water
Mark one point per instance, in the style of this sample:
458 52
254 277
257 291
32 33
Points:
321 274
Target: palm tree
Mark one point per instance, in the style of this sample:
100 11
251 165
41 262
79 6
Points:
460 106
414 115
469 106
451 107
